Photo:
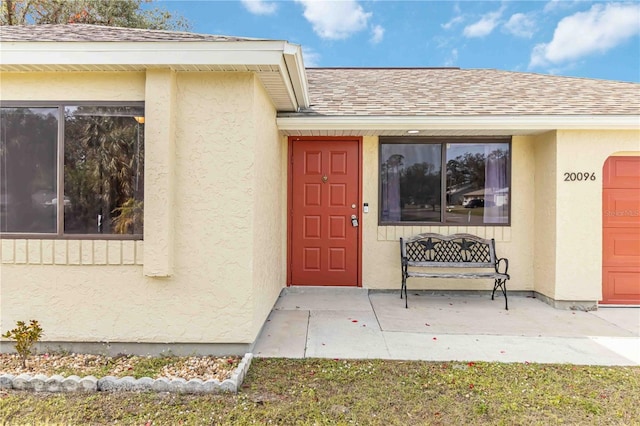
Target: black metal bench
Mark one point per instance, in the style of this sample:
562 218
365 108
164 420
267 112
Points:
421 253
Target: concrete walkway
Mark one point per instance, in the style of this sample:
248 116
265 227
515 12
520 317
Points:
321 322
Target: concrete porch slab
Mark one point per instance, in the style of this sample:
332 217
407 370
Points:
324 299
625 318
471 314
284 334
357 324
452 347
345 334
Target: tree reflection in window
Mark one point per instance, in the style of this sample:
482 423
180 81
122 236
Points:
104 169
28 169
475 191
410 183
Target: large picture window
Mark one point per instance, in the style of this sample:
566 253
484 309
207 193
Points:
453 182
72 169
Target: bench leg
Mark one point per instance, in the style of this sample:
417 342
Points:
502 285
404 288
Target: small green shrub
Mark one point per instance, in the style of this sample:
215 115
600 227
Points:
25 336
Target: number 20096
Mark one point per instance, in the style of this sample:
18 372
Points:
580 176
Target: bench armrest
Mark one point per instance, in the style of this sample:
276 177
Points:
506 265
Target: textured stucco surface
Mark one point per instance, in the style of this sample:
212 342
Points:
579 209
269 207
76 86
159 171
381 252
223 164
544 243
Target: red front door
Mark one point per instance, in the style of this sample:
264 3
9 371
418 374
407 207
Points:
325 194
621 231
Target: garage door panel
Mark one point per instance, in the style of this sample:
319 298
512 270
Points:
621 231
624 285
621 247
621 207
622 172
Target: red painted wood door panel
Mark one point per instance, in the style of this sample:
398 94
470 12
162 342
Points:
621 231
325 186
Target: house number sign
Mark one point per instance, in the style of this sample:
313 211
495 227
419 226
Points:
579 176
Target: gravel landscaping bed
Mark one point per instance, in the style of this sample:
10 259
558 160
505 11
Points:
85 372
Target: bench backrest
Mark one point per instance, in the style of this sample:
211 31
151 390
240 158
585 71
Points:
459 250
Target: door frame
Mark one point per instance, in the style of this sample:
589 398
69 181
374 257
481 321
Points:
290 141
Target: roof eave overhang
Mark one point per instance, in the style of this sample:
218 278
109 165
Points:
440 125
265 57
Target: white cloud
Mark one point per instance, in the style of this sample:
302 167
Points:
311 57
335 20
452 59
377 34
599 29
556 5
454 21
260 7
521 25
485 25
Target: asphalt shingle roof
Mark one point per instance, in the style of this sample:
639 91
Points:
86 32
455 92
397 91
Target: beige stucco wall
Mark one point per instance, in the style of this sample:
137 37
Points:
160 171
554 242
216 155
381 249
269 205
72 86
545 184
579 209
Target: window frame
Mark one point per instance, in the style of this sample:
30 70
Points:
443 141
60 234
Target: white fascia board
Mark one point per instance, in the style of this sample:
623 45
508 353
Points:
295 66
541 123
288 83
142 53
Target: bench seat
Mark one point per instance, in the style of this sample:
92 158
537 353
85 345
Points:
428 254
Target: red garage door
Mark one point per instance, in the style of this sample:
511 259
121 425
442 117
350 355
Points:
621 231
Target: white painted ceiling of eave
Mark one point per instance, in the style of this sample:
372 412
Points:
269 75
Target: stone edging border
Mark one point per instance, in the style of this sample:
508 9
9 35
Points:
57 383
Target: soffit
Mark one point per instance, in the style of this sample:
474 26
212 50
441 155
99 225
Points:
487 125
271 76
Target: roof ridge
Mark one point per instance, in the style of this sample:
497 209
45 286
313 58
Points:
99 32
383 68
117 27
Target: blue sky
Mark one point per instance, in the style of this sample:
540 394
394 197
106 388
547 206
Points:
564 37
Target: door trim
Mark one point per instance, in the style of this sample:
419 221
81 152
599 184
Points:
290 142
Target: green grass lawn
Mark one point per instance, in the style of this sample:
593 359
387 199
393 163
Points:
312 391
